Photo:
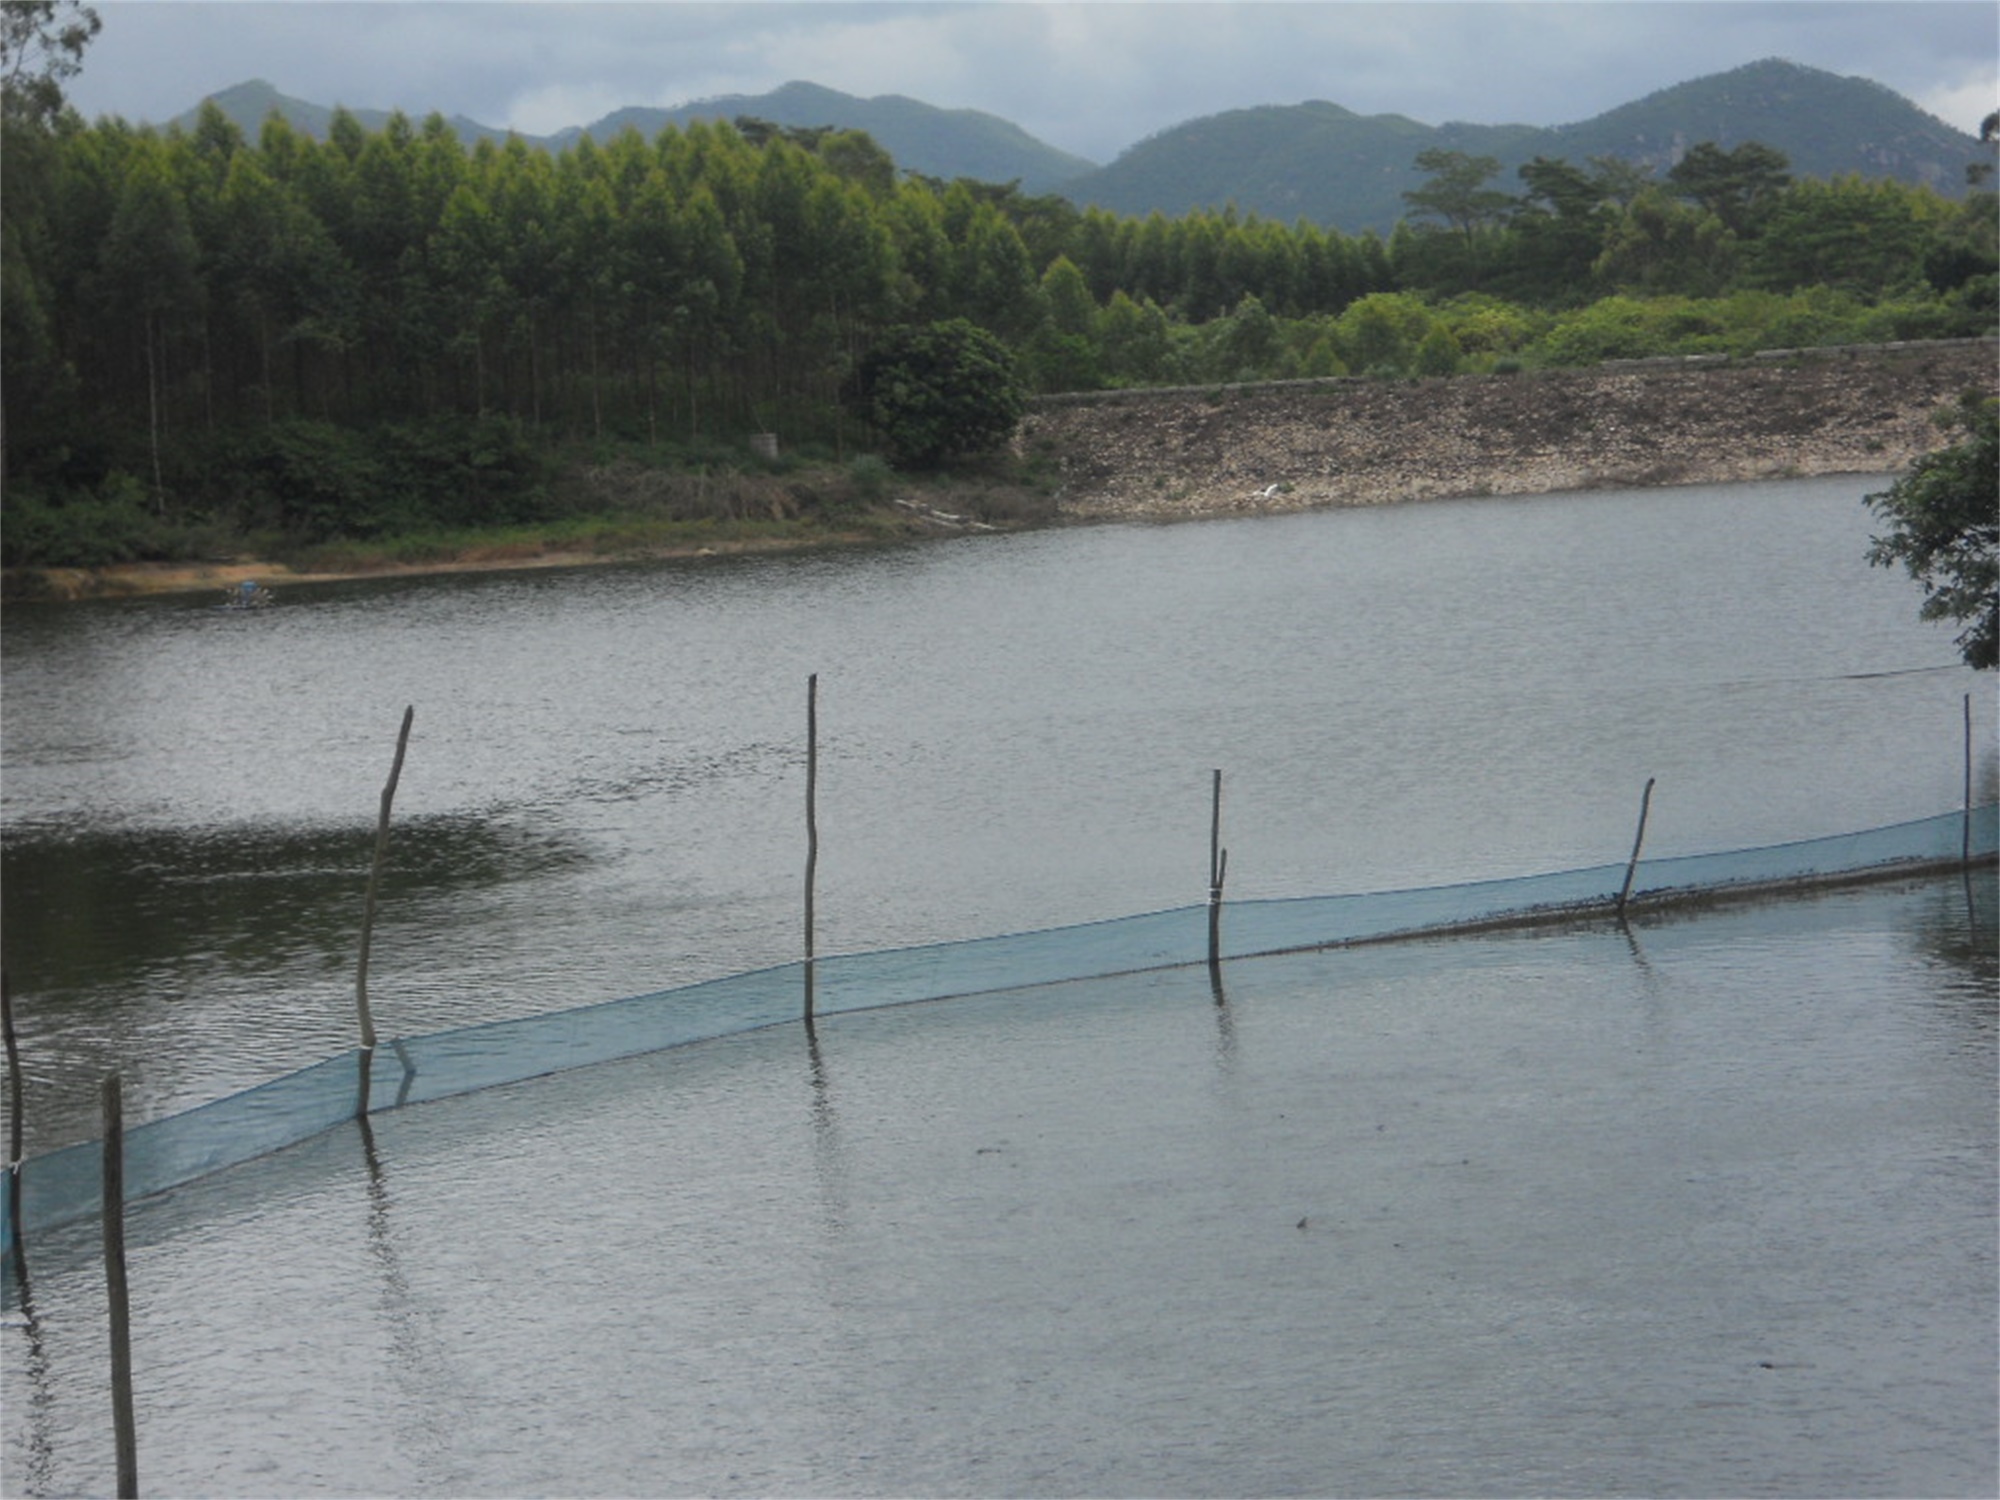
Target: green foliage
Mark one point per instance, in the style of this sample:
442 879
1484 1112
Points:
1439 352
1379 334
1739 187
83 529
870 478
1851 234
1660 246
1945 531
316 481
1457 196
41 49
311 479
1629 328
386 329
1133 341
940 391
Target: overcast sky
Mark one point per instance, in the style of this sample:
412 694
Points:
1092 78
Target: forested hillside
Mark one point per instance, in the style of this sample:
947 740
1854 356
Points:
1320 161
210 337
922 137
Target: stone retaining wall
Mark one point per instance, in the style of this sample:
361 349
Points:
1294 445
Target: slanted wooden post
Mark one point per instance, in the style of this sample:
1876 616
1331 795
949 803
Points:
1218 869
812 827
1638 839
124 1427
368 907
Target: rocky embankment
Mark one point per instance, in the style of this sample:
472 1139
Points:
1295 445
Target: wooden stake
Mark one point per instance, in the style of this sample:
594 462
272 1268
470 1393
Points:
1965 829
374 883
16 1122
124 1427
16 1116
1218 870
812 826
1632 865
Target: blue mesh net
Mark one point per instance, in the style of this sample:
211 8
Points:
65 1185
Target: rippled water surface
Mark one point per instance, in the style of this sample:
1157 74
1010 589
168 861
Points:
1705 1210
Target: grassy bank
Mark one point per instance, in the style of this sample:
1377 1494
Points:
613 512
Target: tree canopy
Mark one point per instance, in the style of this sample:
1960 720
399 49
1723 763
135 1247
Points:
1944 529
940 391
41 48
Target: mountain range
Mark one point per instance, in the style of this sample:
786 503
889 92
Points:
1315 160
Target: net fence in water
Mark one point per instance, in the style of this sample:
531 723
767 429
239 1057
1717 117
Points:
64 1185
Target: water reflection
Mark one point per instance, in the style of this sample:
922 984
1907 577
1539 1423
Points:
115 903
39 1444
233 948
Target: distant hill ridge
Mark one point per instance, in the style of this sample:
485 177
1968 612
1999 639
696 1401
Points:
944 143
1315 160
1320 162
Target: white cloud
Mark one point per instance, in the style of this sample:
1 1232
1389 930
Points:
1964 105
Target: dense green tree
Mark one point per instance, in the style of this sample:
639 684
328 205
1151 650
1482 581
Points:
1849 233
1062 355
1945 531
41 48
1246 343
1739 186
993 282
151 286
1379 334
1457 195
1662 246
277 271
1133 342
1559 228
939 391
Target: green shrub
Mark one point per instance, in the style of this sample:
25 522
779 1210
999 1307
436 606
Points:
940 391
82 529
869 477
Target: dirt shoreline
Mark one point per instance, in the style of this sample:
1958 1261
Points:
142 579
1298 445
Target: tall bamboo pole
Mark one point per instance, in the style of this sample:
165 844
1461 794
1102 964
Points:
812 826
375 883
124 1424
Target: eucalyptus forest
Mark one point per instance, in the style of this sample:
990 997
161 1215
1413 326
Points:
214 342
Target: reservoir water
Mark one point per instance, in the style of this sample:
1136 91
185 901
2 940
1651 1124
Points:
1704 1210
